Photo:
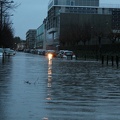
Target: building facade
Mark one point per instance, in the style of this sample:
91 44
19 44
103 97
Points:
21 46
40 37
62 12
58 7
116 20
31 39
73 3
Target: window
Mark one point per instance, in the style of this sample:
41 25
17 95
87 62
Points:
72 2
56 2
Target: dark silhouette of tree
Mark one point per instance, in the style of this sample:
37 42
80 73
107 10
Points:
17 39
86 33
7 34
6 30
75 33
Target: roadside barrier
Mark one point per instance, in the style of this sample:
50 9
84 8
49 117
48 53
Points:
114 60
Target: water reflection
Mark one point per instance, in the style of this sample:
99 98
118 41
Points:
5 79
50 73
49 79
83 90
19 100
59 89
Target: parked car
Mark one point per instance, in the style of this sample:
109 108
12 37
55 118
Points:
1 52
32 51
41 52
38 51
9 52
27 50
12 52
66 54
60 53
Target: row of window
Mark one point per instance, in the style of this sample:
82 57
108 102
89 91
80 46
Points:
74 3
93 11
77 2
84 10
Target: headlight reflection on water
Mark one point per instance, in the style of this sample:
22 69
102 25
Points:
49 72
49 84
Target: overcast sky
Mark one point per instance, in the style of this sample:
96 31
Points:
31 13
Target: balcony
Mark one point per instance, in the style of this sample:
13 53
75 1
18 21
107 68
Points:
52 30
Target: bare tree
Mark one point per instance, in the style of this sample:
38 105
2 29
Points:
5 24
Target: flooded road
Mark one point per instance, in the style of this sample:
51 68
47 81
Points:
33 88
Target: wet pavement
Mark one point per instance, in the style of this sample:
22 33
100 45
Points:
33 88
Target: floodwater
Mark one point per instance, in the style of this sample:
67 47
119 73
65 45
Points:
33 88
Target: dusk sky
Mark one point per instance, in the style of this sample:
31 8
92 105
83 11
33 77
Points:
31 13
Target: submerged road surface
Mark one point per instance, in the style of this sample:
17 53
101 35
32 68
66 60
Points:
33 88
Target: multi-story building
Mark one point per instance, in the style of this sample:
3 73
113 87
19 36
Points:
40 37
64 15
31 39
21 46
116 20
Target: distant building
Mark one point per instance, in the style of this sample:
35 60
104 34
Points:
31 39
21 46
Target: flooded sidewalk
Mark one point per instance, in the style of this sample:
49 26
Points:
33 88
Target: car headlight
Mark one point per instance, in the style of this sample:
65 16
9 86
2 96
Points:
50 56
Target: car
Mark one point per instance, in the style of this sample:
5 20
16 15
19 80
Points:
12 52
38 51
53 52
66 54
9 52
61 52
41 52
27 50
32 51
1 52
